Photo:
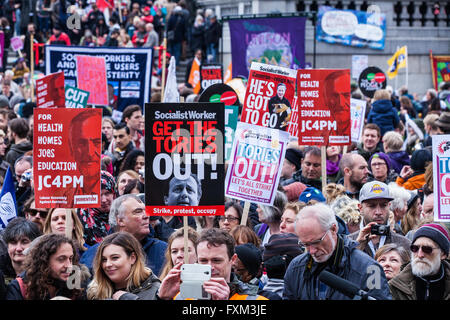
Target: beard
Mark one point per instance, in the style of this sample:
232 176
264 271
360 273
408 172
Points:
325 257
425 267
357 184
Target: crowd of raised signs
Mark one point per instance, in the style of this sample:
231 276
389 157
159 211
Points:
376 208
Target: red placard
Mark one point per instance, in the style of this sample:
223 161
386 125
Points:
324 107
50 91
210 74
269 94
66 157
91 77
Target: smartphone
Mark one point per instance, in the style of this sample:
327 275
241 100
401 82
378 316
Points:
192 278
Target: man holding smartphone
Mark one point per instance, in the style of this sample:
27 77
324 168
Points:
216 248
374 231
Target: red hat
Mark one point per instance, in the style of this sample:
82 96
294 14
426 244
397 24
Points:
147 8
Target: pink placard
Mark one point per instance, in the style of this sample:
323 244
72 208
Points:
91 77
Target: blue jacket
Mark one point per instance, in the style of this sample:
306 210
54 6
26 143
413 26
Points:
154 250
348 262
384 115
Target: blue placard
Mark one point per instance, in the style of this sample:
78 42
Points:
128 70
351 28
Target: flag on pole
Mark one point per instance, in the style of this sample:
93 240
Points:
228 74
171 93
8 206
397 61
194 76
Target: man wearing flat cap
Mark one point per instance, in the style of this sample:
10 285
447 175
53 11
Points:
374 204
427 276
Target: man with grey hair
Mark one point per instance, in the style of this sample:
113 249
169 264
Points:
152 38
326 250
427 276
127 214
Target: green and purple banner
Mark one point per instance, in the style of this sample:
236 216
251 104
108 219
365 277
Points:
275 41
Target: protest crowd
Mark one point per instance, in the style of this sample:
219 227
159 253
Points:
375 212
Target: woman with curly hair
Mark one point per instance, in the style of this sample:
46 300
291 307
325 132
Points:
49 271
120 272
135 160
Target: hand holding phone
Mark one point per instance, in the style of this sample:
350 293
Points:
193 276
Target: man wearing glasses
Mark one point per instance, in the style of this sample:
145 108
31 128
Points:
374 204
427 276
326 250
34 214
128 214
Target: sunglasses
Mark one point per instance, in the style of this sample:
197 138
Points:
425 249
34 212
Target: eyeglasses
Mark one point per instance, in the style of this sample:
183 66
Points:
312 243
425 249
34 212
229 218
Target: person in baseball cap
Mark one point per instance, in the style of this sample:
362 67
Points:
311 193
427 277
374 206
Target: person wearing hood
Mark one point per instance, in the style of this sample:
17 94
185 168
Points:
95 221
383 112
19 135
413 177
392 144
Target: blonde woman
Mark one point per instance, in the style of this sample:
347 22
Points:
56 223
175 249
347 209
120 272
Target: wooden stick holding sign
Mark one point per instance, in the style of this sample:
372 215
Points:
245 213
323 151
186 239
163 77
32 66
69 223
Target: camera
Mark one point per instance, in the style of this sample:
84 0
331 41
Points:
26 176
380 229
192 277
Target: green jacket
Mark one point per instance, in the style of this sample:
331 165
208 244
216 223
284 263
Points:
403 286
